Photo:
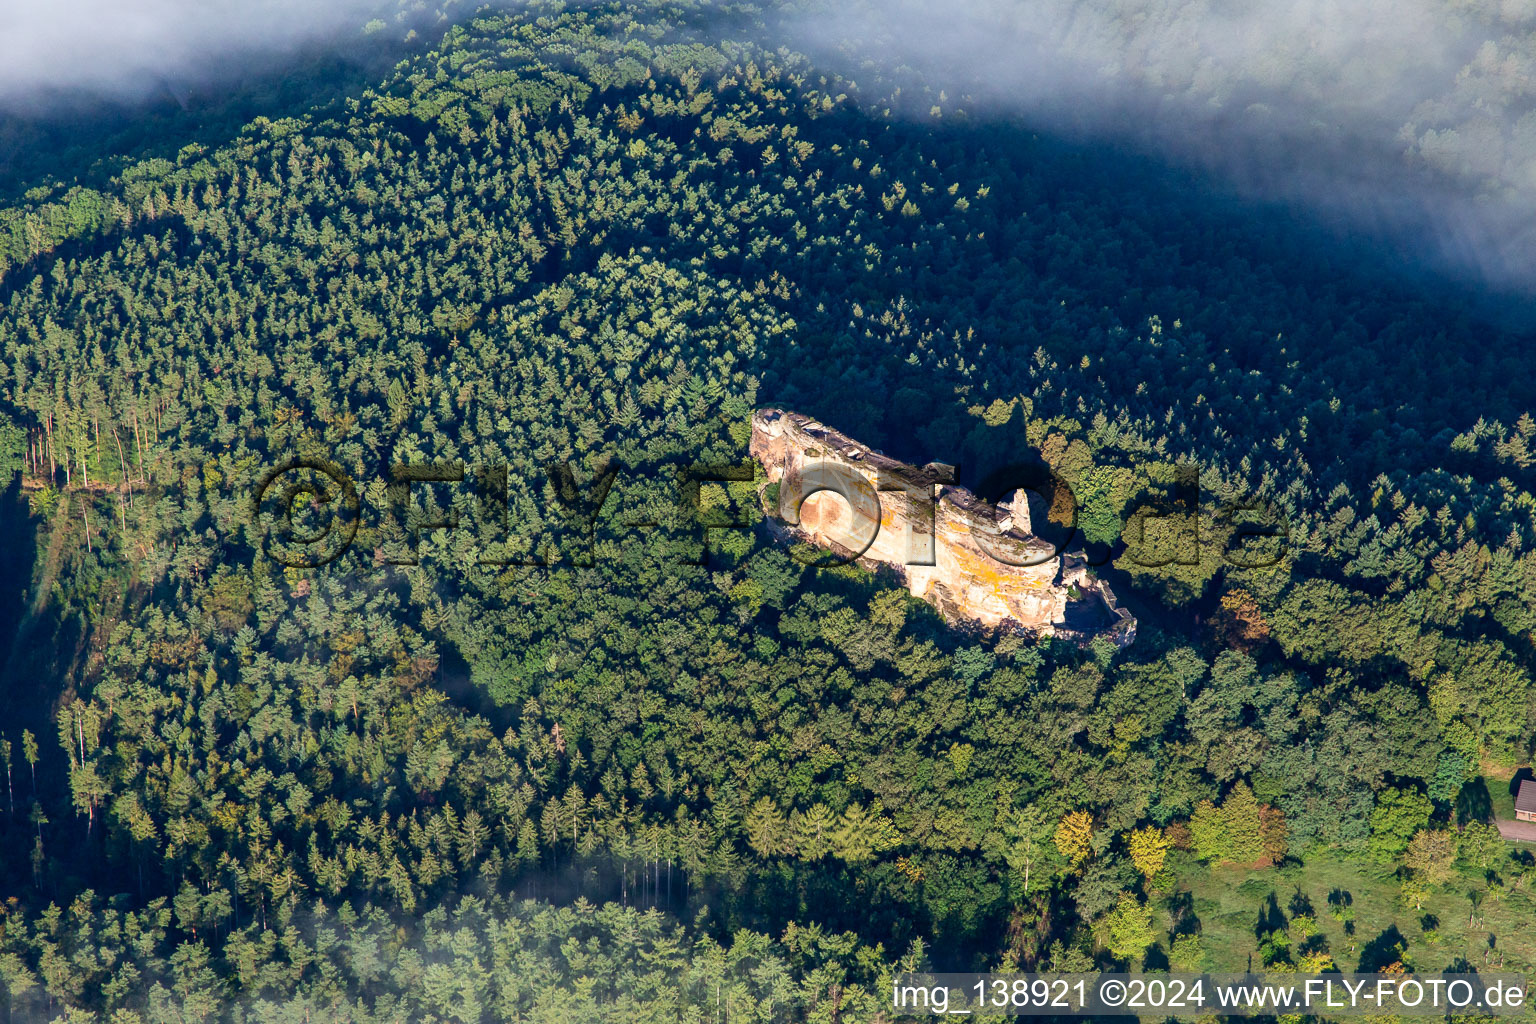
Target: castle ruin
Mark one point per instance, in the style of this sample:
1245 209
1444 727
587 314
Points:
972 560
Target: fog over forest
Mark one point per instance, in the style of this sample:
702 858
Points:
83 49
1413 116
1413 119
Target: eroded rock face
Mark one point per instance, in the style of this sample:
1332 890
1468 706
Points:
972 560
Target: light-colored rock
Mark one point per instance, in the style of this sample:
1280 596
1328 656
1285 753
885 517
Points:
971 560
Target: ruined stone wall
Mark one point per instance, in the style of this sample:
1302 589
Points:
941 538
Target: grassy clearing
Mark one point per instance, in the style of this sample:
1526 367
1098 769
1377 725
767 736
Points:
1471 919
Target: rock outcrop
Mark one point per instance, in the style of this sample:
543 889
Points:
972 560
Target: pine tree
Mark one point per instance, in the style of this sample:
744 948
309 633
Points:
1208 832
767 831
812 832
5 755
29 751
1244 825
527 844
1028 847
853 837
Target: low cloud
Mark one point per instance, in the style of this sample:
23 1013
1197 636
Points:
1413 119
56 52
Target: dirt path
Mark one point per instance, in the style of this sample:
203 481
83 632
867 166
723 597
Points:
1520 831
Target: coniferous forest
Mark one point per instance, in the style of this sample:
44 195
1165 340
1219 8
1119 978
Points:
542 741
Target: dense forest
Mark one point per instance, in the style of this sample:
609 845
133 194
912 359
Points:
549 741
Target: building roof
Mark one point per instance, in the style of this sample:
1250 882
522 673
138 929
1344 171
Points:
1525 800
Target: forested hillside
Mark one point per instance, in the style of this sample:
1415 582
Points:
597 754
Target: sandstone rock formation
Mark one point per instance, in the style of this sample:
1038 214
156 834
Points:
972 560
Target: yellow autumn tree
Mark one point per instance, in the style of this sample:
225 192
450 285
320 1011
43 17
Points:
1074 837
1148 849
